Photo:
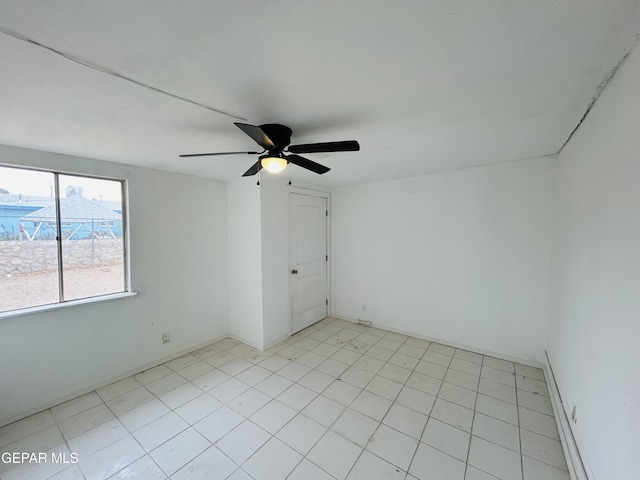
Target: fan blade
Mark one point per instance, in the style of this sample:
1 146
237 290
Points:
346 146
255 168
257 134
308 164
218 153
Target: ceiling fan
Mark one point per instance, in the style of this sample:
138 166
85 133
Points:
275 139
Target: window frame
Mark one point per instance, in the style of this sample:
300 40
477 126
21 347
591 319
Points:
62 303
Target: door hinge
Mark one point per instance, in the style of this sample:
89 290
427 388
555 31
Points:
326 302
326 258
326 213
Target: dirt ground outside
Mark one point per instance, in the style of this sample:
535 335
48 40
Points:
42 289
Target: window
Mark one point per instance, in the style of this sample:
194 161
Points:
62 238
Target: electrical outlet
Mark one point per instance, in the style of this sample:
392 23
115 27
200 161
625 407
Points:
574 414
364 308
166 337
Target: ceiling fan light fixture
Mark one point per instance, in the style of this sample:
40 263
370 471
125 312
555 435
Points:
273 163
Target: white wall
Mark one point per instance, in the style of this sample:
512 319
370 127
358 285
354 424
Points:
181 278
245 261
462 256
274 199
594 339
258 259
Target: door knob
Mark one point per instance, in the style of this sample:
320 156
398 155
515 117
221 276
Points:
294 271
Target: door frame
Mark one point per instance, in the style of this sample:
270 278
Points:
311 193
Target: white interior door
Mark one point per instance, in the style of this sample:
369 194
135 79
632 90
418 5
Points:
308 260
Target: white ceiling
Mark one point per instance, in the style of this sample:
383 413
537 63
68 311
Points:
424 86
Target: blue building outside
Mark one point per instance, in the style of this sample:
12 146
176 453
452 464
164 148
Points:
33 218
10 216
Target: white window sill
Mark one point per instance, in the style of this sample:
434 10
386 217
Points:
70 303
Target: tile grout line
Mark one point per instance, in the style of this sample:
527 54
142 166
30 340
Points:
66 442
473 419
515 380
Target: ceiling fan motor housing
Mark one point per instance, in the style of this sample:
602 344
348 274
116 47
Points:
280 135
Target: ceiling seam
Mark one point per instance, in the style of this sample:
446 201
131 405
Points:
522 159
113 73
600 89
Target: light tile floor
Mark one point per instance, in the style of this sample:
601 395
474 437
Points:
335 401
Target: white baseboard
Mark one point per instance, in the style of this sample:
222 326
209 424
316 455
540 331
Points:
117 378
246 342
481 351
275 342
569 445
257 346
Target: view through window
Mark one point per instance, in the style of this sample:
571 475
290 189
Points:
59 248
